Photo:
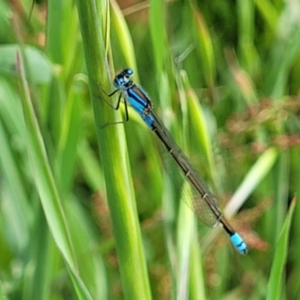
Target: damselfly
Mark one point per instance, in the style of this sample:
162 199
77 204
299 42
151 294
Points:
204 206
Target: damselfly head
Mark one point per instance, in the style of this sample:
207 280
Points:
122 78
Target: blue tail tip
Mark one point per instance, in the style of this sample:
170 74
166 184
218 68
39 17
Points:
239 243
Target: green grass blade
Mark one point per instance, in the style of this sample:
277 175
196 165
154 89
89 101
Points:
185 235
43 175
113 152
190 280
158 33
274 289
252 179
197 273
44 180
205 48
122 35
198 123
268 12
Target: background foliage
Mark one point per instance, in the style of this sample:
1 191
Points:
77 222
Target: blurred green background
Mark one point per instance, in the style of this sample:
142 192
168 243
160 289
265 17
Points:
89 212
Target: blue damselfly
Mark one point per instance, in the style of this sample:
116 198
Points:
205 205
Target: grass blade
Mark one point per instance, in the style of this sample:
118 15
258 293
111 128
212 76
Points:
111 140
274 289
44 180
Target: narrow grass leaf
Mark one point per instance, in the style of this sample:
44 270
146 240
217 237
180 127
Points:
255 175
158 33
185 235
198 123
42 173
274 288
45 183
249 57
122 35
205 48
268 12
197 275
81 291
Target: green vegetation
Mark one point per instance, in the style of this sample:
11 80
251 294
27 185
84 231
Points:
89 212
